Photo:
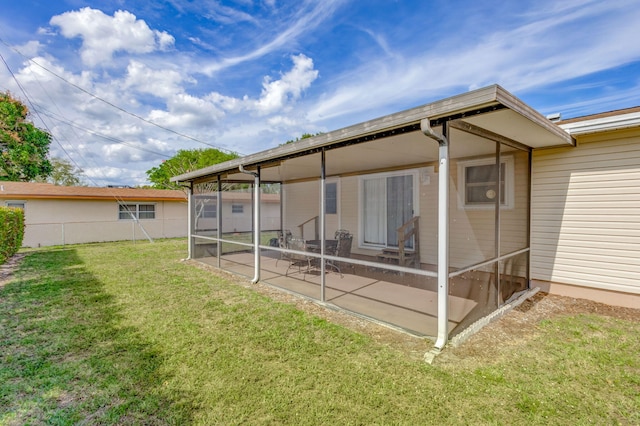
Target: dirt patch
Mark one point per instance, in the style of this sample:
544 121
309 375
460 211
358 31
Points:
8 268
520 325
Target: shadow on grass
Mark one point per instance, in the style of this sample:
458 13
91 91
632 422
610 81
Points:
65 356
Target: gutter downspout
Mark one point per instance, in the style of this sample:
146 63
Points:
443 230
190 221
256 221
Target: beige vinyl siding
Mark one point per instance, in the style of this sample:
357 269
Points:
349 208
472 231
586 213
301 203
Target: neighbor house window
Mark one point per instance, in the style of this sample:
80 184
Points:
209 210
138 211
478 187
15 204
237 208
331 198
387 201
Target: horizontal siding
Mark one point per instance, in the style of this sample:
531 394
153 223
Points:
585 225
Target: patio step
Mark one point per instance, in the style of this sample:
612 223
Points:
393 254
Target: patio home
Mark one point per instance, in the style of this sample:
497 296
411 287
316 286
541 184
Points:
421 219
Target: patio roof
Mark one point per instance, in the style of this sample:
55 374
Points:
492 109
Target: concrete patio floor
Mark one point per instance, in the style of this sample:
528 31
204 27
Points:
409 308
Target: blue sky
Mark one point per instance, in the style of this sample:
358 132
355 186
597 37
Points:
247 75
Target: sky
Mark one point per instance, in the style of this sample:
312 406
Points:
123 85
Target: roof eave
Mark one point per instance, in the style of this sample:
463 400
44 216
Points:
489 96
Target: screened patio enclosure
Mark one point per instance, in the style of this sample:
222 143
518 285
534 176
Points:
419 220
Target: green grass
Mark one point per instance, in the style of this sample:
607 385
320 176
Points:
125 333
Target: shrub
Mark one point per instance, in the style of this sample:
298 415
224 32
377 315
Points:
11 231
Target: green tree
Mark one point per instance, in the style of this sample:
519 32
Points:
304 136
65 173
183 162
23 147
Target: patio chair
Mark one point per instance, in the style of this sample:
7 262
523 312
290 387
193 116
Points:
297 259
344 239
284 237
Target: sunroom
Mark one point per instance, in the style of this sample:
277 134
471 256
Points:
418 220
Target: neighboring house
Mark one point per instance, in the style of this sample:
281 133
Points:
236 212
455 209
58 215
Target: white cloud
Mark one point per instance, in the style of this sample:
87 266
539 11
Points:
122 153
292 28
103 35
163 83
276 93
104 175
547 49
31 48
227 103
186 112
246 111
224 14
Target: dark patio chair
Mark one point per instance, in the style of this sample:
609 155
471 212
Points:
283 242
297 259
344 239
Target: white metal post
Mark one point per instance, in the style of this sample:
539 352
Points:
323 192
256 221
443 230
190 219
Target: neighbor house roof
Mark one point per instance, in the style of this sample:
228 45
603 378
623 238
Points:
33 190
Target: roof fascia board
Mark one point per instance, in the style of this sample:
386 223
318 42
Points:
603 124
479 98
515 104
489 96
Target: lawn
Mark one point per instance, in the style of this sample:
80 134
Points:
125 333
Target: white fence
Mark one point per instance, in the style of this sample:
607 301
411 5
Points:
52 234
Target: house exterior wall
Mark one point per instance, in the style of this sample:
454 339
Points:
472 232
243 222
63 221
301 203
585 230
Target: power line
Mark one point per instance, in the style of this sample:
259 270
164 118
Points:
24 92
110 103
100 135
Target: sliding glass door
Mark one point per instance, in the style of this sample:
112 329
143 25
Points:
387 203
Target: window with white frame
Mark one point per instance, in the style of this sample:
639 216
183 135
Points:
387 201
136 211
477 181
